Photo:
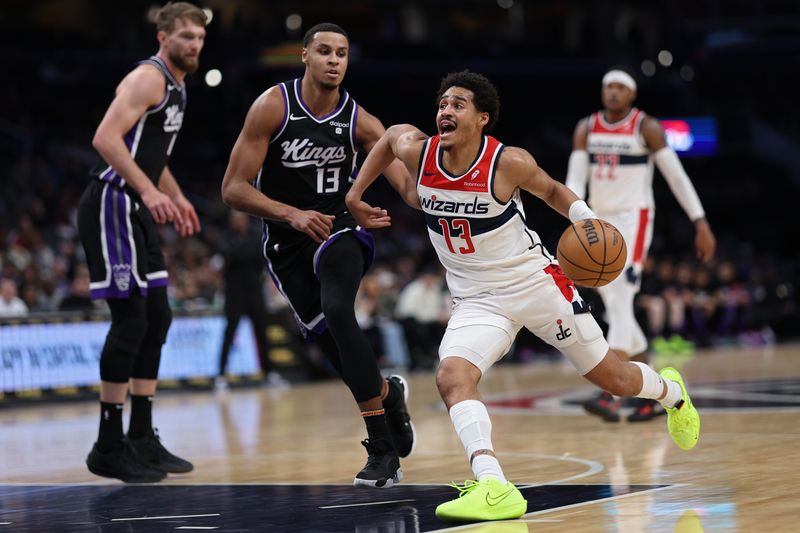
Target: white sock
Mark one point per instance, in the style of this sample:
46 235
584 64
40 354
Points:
653 386
471 421
484 466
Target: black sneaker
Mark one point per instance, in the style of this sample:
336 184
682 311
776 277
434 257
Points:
401 428
605 406
382 470
123 463
150 447
645 409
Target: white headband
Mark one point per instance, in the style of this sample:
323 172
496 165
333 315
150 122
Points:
621 77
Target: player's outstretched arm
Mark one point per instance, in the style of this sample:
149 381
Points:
369 132
518 169
399 141
681 186
141 89
578 166
247 157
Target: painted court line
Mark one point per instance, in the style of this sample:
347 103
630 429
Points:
197 527
591 502
363 504
163 517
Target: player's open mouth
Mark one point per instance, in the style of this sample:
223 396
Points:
446 127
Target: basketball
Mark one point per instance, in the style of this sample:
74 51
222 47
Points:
591 252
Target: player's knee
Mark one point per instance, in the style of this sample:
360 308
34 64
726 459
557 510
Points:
456 377
159 321
123 343
126 334
337 311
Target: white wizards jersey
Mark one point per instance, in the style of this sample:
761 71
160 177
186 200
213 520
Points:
621 170
483 243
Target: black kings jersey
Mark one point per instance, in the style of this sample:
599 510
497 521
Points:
151 139
311 160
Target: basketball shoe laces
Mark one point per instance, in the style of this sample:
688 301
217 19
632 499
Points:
468 486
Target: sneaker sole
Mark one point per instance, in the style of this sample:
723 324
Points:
602 413
373 484
104 473
410 423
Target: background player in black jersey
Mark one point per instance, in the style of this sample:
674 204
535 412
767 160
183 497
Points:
116 220
300 138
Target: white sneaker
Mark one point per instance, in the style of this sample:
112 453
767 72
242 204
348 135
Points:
220 383
273 380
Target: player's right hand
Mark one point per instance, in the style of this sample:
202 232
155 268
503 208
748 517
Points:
161 207
314 224
367 216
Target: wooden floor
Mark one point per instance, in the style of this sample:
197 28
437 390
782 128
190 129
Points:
741 477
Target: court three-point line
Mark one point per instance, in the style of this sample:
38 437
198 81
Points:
164 517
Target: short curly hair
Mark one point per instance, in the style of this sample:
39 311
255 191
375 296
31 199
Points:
485 98
323 26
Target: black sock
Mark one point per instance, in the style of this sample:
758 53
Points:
393 396
141 416
376 425
109 437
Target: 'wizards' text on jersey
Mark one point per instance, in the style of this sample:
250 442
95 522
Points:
482 242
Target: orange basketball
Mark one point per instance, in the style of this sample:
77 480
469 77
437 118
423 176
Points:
591 252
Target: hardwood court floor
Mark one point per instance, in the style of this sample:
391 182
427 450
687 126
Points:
594 476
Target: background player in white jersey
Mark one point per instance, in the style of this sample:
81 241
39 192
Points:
615 149
501 278
300 139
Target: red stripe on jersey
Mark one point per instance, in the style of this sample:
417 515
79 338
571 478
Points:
476 179
626 126
638 248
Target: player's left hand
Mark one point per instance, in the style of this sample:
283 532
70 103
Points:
704 242
369 217
191 223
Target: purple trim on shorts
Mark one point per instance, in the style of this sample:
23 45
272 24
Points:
364 237
117 265
158 282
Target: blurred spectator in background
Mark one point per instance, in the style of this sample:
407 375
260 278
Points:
10 304
244 294
375 310
78 298
423 309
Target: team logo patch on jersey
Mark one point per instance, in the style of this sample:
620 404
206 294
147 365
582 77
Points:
122 276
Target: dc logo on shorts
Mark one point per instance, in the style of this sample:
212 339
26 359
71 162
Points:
563 332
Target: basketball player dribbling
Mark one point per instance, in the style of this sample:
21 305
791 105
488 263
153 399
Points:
299 142
615 149
501 278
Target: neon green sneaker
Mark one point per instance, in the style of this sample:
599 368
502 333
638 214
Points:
683 422
487 499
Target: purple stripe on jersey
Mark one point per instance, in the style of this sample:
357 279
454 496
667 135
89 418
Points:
285 119
353 127
343 97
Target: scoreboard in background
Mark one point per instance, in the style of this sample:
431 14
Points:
691 136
